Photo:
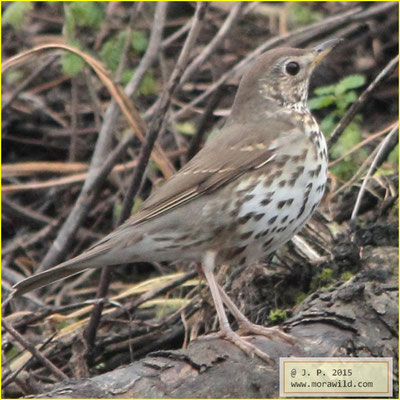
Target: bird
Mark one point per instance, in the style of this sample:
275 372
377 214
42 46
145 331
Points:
248 191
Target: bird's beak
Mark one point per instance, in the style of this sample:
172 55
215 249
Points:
323 49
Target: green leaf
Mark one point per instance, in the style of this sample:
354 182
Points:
148 85
349 138
277 315
345 99
127 76
111 51
302 14
87 13
344 170
323 279
139 42
14 14
317 103
349 82
328 124
346 276
393 157
71 64
186 128
324 90
69 27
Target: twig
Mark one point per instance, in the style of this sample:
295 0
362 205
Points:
150 56
82 206
35 352
361 100
159 115
387 145
204 123
134 10
26 83
73 146
177 34
210 48
362 143
11 376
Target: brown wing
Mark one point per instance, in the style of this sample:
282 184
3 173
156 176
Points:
234 151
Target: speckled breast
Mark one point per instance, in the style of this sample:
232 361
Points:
274 203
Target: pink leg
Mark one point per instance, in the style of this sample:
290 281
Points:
246 327
225 329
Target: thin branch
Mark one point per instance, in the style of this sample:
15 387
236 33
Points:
234 14
390 141
344 122
159 115
35 352
151 54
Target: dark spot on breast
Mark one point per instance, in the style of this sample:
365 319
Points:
267 243
281 204
284 218
301 210
248 197
282 160
242 261
218 231
245 235
257 217
282 183
239 202
245 218
272 220
234 213
266 201
303 155
268 182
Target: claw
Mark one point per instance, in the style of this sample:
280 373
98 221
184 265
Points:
248 328
243 343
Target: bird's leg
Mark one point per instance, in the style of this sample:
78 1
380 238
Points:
246 327
225 329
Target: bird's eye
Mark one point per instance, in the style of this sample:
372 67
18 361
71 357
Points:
292 68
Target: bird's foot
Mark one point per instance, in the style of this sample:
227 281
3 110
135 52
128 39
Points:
241 342
248 328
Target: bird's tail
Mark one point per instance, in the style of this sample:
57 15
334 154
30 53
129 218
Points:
89 259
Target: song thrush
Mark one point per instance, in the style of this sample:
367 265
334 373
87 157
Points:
245 194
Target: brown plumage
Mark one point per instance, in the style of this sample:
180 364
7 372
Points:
248 191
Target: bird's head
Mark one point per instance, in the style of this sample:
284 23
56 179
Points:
280 77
